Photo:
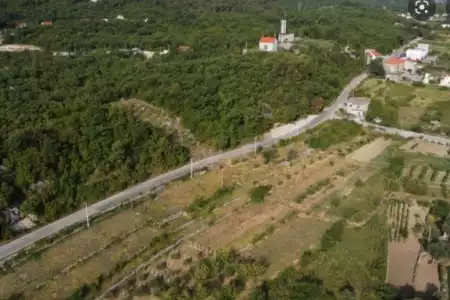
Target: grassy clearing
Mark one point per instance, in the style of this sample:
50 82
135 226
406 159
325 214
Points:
161 118
361 202
355 257
287 244
404 105
332 133
205 205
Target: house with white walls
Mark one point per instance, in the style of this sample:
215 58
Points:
356 106
445 81
268 44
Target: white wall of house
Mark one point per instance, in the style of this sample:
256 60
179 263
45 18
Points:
410 65
288 37
394 68
445 81
268 47
357 110
416 54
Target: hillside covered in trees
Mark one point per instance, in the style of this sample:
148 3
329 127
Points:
63 143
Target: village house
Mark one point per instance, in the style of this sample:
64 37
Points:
46 23
371 55
356 106
445 81
418 53
268 44
394 65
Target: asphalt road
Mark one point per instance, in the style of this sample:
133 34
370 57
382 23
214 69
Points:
144 187
407 134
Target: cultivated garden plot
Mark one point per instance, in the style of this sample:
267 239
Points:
426 173
398 218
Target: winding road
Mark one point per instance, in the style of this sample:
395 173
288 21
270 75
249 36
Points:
143 188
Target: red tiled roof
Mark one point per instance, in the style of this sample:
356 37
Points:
394 61
374 53
267 39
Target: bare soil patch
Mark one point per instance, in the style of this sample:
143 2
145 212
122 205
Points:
419 146
402 258
427 274
368 152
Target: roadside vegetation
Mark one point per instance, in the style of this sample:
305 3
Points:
332 133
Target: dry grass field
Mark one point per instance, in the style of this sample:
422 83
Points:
284 247
419 146
368 152
233 225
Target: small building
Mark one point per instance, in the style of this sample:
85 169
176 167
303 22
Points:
356 106
445 81
394 65
21 25
120 17
183 48
445 25
286 38
371 55
268 44
46 23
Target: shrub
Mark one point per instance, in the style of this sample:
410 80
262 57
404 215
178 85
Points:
257 194
269 155
333 235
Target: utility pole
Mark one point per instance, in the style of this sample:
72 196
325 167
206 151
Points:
87 214
192 169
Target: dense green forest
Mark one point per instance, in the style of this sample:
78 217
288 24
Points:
83 28
62 142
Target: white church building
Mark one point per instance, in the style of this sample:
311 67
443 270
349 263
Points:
268 44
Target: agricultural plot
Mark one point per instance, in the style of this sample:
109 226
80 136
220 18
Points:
403 253
286 244
398 216
112 247
420 146
432 175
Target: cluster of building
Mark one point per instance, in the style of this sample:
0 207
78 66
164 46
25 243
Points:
405 65
273 43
